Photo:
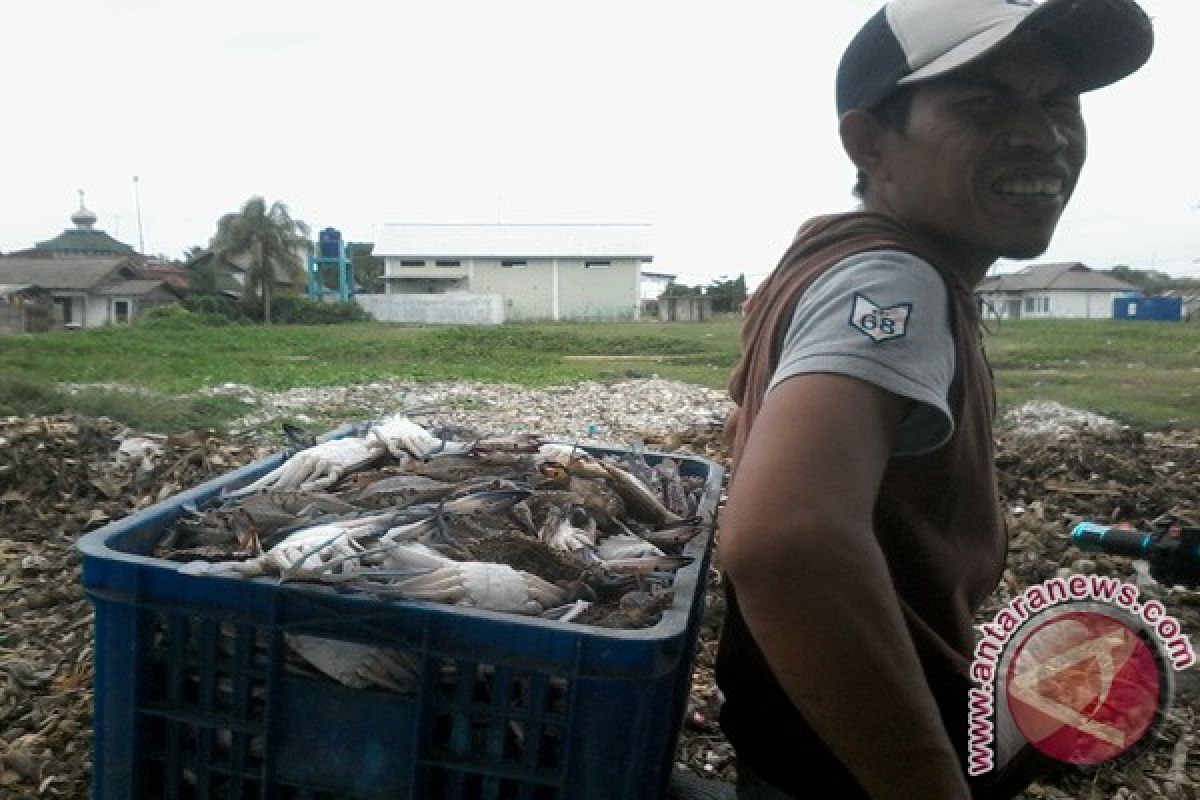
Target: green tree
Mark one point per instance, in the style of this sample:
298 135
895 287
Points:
681 290
368 268
1150 281
273 240
202 272
727 294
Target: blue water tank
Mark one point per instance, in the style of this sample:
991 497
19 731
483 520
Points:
1154 309
329 243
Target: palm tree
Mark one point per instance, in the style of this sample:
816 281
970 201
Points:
274 242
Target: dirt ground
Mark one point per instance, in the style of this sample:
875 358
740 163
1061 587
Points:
60 477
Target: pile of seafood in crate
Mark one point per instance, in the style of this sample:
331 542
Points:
513 524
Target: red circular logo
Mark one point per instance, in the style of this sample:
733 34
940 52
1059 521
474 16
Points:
1083 687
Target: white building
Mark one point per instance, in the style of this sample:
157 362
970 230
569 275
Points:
1051 291
541 272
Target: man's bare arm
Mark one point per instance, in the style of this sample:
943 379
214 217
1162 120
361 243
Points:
814 588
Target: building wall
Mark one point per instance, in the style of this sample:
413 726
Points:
100 310
563 288
1052 304
401 267
601 293
684 308
528 289
96 313
450 308
1079 305
532 288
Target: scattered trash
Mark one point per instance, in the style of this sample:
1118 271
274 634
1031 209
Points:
59 478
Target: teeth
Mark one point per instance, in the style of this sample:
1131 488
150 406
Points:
1027 186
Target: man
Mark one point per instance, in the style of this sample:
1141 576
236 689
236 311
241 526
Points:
863 530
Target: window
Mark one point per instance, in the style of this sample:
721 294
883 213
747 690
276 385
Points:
513 264
120 310
1030 305
412 263
597 264
448 263
1046 305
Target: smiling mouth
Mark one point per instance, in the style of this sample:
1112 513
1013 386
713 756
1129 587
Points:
1029 187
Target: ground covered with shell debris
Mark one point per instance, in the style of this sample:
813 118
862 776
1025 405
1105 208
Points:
60 477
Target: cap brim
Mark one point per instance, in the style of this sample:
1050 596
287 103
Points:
1101 41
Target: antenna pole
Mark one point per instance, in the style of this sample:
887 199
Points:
137 201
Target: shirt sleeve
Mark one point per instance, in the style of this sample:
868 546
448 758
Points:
881 317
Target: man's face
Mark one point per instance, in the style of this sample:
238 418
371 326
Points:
989 157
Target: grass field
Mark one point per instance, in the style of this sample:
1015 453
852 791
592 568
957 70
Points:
1147 374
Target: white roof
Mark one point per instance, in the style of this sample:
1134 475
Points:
514 241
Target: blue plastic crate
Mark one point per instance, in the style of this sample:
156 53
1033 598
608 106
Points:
192 699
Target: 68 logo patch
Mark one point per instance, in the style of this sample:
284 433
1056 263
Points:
878 323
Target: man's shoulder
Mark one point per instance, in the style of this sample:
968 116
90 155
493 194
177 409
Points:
896 270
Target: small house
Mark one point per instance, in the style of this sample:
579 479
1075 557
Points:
685 308
1051 291
88 291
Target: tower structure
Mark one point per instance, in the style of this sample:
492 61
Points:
331 251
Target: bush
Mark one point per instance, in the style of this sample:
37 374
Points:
24 393
176 317
158 413
288 309
298 310
227 307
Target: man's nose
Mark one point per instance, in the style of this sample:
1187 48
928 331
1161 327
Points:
1032 126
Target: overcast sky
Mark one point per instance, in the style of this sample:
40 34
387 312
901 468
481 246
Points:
714 122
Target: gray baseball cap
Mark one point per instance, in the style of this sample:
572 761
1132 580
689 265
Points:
909 41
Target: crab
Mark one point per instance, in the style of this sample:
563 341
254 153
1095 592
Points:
317 467
426 575
308 552
404 438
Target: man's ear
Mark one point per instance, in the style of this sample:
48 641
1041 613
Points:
861 139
